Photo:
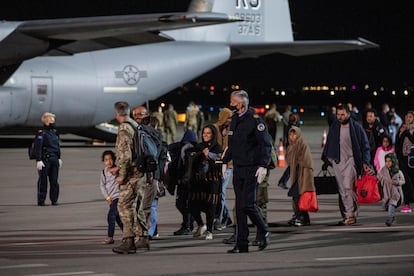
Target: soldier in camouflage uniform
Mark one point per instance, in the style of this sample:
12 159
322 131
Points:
128 177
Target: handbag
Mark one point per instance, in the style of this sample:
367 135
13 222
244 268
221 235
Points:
367 189
308 202
325 184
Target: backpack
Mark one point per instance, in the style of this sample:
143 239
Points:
146 148
32 146
411 157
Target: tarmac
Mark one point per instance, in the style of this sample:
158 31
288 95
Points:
66 239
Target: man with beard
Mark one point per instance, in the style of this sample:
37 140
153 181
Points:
347 149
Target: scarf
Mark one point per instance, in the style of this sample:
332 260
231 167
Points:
298 157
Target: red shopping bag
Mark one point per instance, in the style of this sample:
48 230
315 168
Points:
367 189
308 202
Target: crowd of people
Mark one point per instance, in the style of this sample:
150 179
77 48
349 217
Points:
240 145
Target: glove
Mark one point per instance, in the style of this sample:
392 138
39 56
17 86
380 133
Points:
60 163
223 170
260 174
40 165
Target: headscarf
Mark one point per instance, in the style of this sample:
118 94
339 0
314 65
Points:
394 169
214 145
298 156
189 137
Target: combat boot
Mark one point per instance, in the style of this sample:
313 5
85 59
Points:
127 247
143 243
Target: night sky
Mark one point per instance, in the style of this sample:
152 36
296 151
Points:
388 23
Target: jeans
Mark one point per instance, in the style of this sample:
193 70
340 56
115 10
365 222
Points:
224 212
113 216
153 218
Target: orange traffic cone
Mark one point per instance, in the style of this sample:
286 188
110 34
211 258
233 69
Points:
323 138
281 155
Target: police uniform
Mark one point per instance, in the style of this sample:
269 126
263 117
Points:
249 148
48 151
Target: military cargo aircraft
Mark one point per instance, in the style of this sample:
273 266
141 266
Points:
78 68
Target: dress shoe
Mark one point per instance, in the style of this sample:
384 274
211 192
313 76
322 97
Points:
237 249
55 203
282 185
265 242
231 240
41 204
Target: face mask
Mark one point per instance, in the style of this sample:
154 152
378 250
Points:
233 108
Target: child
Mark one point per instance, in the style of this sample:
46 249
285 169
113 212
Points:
386 147
299 160
110 191
391 179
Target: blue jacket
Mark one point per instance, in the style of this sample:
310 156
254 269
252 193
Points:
360 145
249 141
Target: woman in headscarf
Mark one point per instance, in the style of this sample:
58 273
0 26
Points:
204 179
405 140
299 159
391 179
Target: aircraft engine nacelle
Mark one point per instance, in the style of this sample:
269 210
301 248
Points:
14 106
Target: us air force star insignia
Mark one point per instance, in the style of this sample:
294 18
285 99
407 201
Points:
260 127
130 74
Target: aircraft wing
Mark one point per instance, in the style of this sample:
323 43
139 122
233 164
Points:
27 39
300 48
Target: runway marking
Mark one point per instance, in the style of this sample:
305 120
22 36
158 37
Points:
353 228
65 273
22 266
364 257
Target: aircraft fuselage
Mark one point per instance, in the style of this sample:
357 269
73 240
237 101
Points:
82 89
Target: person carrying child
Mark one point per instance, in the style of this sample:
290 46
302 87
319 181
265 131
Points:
110 191
391 179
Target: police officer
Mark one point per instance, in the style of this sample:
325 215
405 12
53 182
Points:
48 160
249 148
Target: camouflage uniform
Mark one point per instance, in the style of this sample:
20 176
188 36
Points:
191 119
132 177
170 125
147 191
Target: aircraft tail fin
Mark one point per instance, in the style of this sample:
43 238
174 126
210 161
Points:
265 28
263 21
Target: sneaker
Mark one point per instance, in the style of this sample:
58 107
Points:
209 235
405 209
200 231
390 221
299 222
217 226
182 231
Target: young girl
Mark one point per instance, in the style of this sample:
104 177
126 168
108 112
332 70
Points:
110 191
391 179
299 159
386 147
